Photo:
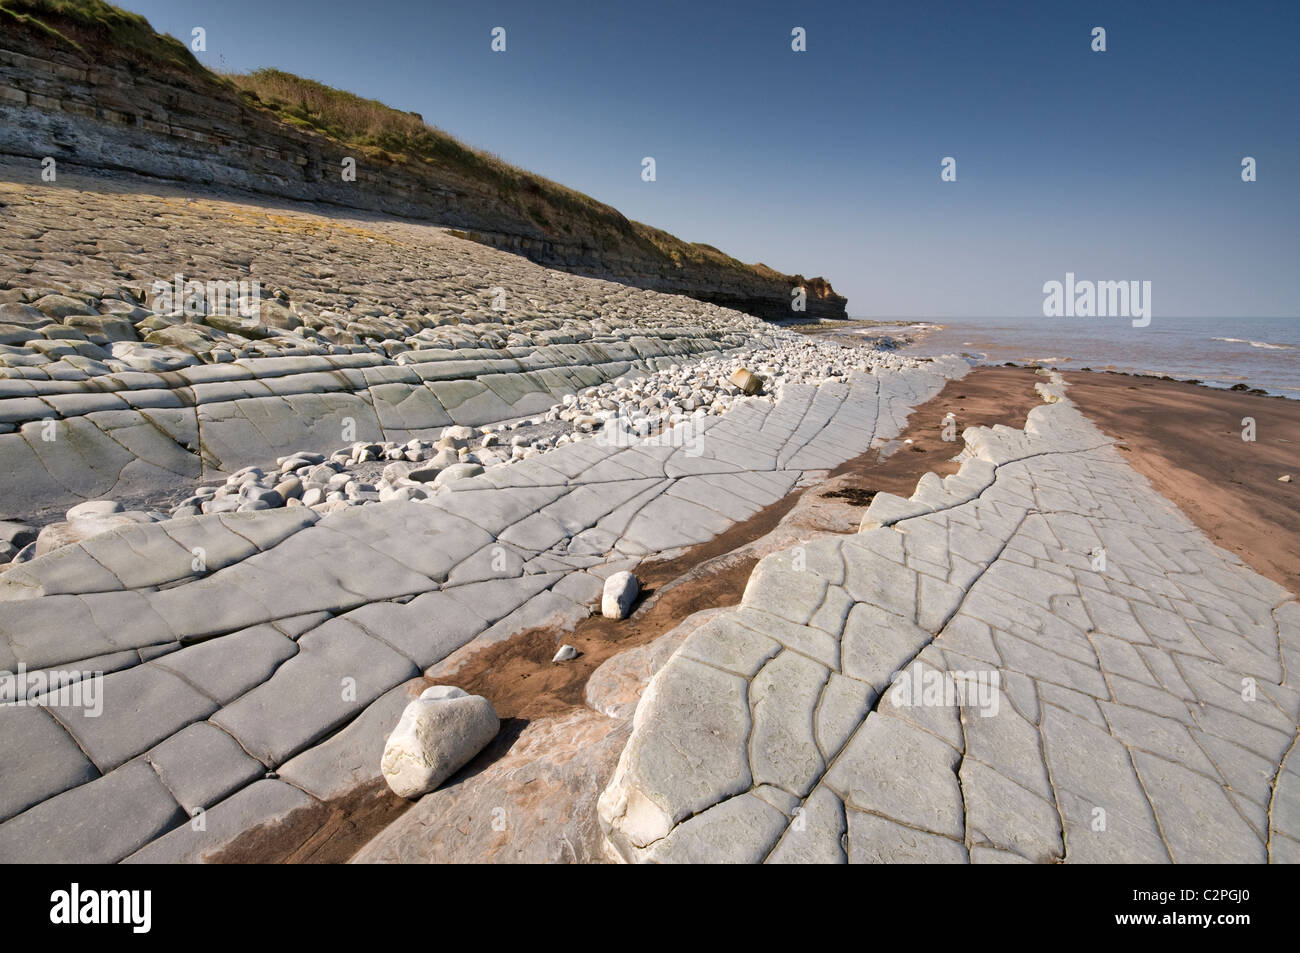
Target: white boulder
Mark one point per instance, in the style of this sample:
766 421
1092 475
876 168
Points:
438 734
94 509
84 525
620 592
459 433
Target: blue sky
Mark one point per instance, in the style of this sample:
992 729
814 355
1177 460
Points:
1117 165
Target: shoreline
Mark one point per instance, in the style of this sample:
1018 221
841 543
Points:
1186 440
1255 369
1238 388
1093 658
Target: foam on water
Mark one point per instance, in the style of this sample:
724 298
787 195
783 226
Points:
1263 344
1219 352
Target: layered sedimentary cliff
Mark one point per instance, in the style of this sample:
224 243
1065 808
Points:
96 89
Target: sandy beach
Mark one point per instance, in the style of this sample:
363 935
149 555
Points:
371 499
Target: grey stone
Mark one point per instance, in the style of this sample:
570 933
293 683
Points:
435 738
266 806
337 672
41 759
349 759
688 754
201 764
97 823
903 773
620 591
138 708
878 840
225 668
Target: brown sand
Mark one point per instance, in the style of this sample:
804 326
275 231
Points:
984 397
326 833
1186 439
522 681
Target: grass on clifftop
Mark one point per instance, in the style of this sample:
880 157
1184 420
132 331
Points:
356 121
349 118
98 30
88 25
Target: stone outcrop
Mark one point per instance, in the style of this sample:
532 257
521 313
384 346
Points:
1036 659
619 593
367 330
94 104
216 673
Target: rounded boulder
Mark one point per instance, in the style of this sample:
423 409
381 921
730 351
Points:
438 734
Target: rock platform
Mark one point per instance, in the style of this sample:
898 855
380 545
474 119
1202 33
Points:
1037 659
227 688
365 329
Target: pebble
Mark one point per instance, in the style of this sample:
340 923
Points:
457 471
94 509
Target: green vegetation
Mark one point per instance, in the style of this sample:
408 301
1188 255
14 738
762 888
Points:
96 25
100 30
351 119
360 122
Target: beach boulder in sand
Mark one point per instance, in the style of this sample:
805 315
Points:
620 592
437 735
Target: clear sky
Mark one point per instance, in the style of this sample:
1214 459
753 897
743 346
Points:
1117 165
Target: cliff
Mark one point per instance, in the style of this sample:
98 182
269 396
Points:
97 89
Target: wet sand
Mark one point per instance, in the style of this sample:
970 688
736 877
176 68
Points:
1187 440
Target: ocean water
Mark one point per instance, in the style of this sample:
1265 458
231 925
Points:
1220 352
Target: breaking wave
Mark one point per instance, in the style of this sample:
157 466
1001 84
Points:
1268 345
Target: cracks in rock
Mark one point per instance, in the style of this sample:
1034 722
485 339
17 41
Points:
1047 769
1146 795
1272 791
1107 510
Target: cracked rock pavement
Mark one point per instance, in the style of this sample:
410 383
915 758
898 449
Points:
1036 659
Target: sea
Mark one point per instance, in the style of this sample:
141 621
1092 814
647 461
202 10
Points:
1262 353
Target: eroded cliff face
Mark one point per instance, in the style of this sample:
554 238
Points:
74 95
